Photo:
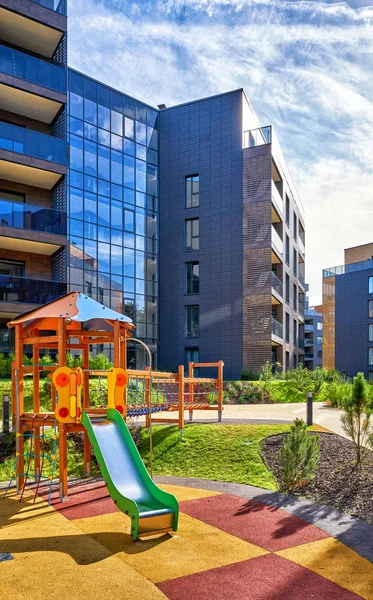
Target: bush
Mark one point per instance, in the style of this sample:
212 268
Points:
298 458
249 375
100 363
356 417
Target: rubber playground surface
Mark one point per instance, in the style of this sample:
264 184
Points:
227 546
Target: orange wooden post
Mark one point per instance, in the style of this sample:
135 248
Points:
87 447
36 386
123 364
220 390
19 401
116 333
181 399
148 399
13 393
191 389
62 433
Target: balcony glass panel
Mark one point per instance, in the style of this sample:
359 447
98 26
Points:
58 6
32 143
277 284
301 245
277 328
277 242
276 199
257 137
34 218
301 343
30 291
32 69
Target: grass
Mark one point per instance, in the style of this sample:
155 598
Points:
219 452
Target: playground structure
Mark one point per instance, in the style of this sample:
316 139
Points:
74 323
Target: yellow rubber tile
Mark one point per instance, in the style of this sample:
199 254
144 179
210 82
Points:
195 547
53 557
334 561
187 493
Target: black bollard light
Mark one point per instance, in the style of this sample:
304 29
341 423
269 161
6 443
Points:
309 408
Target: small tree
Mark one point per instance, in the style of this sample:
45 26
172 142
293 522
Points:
265 378
299 457
356 418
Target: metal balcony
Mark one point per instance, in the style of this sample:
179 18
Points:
31 217
30 291
31 143
34 70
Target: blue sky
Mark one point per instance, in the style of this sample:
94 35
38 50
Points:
306 66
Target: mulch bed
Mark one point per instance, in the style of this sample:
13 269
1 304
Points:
338 482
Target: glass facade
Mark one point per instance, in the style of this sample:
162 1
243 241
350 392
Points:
113 204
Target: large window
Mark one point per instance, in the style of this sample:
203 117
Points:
287 288
370 356
370 309
370 332
295 297
287 210
192 191
319 325
287 249
295 262
192 278
192 321
295 226
192 234
370 285
287 327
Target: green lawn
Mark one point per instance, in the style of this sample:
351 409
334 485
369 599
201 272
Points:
219 452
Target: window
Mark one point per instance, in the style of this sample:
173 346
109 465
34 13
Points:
287 210
370 375
192 234
295 261
295 226
370 356
287 359
319 340
287 250
370 309
287 288
370 332
370 282
192 321
287 328
9 268
295 294
295 361
192 278
295 333
319 354
191 355
319 326
192 191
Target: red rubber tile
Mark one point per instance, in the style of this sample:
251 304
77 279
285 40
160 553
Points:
86 500
268 527
268 577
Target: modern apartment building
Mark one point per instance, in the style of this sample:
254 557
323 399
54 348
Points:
115 198
348 313
313 336
33 156
231 240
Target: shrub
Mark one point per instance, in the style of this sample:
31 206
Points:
298 458
249 375
100 363
356 416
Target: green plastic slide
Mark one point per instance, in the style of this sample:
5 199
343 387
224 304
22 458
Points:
150 509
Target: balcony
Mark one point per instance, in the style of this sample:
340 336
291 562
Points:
30 157
277 286
277 200
277 328
14 290
32 69
59 6
301 343
277 244
36 26
301 245
308 327
257 137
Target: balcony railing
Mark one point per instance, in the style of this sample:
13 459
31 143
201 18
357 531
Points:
257 137
276 199
58 6
277 328
301 307
350 268
301 343
301 277
32 69
301 245
30 291
277 242
32 143
277 284
308 327
34 218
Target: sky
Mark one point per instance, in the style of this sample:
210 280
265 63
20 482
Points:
306 66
